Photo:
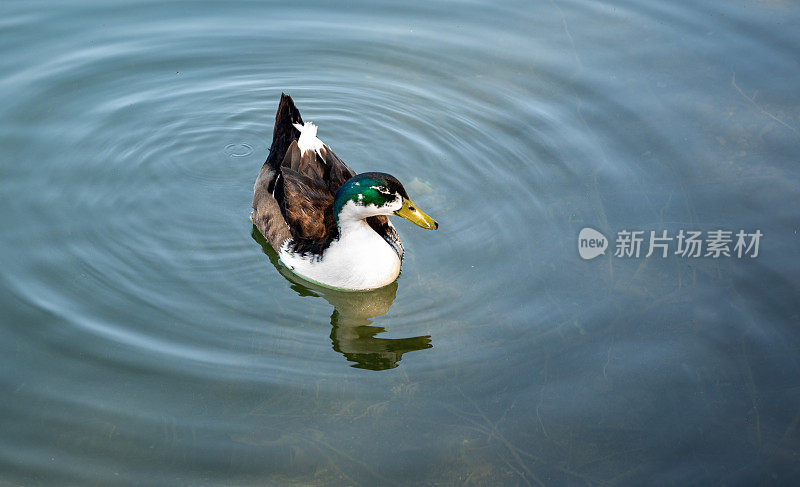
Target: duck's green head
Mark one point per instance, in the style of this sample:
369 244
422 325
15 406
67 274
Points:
377 193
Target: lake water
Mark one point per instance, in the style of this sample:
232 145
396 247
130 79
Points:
148 337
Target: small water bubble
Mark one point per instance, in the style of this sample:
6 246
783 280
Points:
238 150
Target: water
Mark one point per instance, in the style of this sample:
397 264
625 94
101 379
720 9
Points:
147 337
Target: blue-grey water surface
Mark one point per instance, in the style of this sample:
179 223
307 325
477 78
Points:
148 338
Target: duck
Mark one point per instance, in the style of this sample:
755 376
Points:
329 225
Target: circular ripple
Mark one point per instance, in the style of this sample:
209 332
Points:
238 150
153 216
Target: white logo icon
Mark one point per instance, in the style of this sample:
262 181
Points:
591 243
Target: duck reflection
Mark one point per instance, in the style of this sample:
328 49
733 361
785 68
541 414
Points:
351 333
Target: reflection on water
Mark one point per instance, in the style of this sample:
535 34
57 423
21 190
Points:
351 333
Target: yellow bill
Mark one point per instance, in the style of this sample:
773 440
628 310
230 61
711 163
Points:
410 212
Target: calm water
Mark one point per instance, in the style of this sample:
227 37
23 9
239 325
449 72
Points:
148 338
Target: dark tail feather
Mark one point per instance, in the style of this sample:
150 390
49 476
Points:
284 132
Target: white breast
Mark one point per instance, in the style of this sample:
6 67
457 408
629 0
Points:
360 259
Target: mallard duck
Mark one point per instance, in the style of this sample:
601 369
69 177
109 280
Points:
328 224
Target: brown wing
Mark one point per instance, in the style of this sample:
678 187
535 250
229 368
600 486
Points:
267 215
336 171
307 206
325 165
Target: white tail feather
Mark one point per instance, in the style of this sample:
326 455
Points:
308 137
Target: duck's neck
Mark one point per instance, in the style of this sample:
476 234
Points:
355 230
352 218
